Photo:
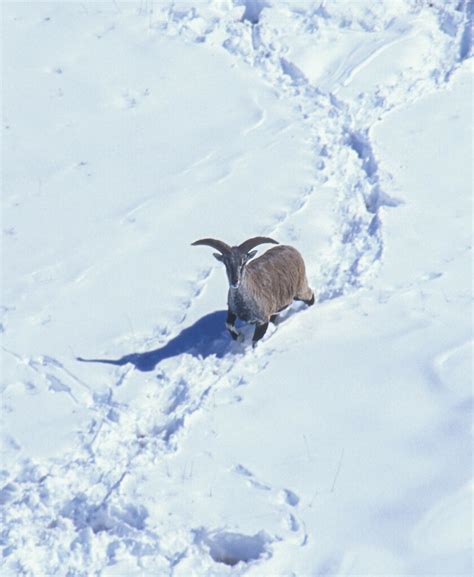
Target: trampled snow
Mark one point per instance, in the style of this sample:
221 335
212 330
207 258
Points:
340 445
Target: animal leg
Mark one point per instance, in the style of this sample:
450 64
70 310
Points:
260 330
310 302
230 326
306 295
274 319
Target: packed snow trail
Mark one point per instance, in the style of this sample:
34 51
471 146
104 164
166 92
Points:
83 508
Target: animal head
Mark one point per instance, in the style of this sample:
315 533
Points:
234 257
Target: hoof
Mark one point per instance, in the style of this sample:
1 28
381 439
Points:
311 301
236 336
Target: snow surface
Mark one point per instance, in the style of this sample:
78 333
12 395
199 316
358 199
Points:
341 445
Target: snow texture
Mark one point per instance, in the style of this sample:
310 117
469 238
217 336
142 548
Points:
137 437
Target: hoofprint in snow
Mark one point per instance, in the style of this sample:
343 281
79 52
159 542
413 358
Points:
341 445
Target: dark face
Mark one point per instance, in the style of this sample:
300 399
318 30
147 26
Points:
235 263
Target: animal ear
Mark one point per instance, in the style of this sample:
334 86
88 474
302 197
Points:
250 254
218 256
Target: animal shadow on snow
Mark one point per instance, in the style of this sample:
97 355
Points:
207 336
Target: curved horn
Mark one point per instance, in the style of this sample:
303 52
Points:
253 242
219 245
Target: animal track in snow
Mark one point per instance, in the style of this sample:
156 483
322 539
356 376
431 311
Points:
285 500
249 476
289 497
232 548
130 99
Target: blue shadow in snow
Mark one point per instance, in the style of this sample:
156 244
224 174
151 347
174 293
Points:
207 336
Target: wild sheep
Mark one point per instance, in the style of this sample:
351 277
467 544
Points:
262 288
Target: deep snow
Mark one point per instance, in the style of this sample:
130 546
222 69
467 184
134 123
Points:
343 444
